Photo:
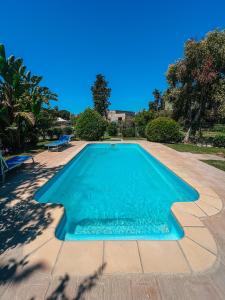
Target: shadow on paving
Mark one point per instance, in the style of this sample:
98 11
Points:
23 219
86 285
17 270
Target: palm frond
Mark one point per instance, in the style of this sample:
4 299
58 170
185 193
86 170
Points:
27 116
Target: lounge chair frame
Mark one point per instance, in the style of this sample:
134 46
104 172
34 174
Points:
5 168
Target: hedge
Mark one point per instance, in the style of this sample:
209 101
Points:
163 130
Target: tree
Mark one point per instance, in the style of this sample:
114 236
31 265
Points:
101 93
141 120
197 82
21 101
64 114
112 129
90 125
158 103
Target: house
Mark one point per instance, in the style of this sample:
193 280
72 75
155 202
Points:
120 115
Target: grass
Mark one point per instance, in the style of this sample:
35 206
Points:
219 164
196 149
212 133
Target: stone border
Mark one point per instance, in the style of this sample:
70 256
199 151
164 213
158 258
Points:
195 252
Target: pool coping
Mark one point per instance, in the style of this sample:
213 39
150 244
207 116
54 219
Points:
195 252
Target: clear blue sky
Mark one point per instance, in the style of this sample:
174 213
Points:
130 41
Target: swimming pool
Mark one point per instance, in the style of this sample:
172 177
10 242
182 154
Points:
116 192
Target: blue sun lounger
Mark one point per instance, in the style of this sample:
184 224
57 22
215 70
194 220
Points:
12 163
62 141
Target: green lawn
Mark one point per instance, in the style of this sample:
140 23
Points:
212 133
196 149
219 164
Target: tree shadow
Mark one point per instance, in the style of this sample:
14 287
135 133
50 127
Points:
86 285
22 219
15 270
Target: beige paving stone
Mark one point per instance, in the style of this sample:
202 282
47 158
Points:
46 235
199 258
122 257
56 214
162 256
208 209
79 258
213 201
45 255
202 236
204 190
191 208
185 219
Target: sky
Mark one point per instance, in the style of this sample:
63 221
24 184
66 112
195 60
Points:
131 42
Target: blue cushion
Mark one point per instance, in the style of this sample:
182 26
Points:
55 143
17 160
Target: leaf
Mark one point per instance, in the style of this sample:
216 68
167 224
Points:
27 116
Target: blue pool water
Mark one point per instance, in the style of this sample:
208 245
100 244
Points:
116 191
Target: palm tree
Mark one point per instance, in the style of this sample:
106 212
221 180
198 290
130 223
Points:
21 99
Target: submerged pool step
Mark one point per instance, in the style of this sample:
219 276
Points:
117 226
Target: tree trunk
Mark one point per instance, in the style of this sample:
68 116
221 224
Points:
187 135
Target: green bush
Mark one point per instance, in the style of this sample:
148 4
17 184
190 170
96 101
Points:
219 127
218 140
128 132
57 131
164 130
112 129
68 130
90 125
142 119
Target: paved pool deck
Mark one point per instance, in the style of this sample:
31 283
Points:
33 263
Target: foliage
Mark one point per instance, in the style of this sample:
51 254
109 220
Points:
142 119
21 102
64 114
56 113
128 131
218 141
90 125
112 129
157 104
68 130
101 93
57 131
163 129
197 82
219 127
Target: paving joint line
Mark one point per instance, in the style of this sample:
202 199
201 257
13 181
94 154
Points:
139 253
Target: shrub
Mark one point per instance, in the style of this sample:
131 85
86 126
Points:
128 132
142 119
219 127
90 125
57 131
112 129
219 140
68 130
50 133
163 130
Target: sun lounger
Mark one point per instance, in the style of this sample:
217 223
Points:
12 163
62 141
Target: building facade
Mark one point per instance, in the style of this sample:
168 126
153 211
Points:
120 115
